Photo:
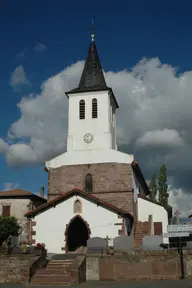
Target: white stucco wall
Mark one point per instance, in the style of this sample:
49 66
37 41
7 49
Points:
89 157
100 127
159 214
51 224
103 147
18 208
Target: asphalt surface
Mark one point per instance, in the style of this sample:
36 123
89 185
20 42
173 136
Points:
142 284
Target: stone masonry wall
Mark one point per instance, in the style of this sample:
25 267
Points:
112 182
141 265
16 268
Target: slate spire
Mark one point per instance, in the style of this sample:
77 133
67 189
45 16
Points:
92 78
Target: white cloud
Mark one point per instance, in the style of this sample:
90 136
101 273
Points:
22 53
43 120
19 77
40 47
180 200
167 137
151 111
155 115
3 146
10 186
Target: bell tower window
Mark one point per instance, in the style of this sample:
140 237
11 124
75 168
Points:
82 109
88 183
94 108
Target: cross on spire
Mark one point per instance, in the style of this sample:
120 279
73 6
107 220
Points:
177 213
92 28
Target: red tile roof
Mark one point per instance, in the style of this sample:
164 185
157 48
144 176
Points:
19 193
83 194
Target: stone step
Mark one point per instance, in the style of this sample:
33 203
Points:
58 266
50 284
62 284
48 273
58 271
61 261
58 277
45 276
52 280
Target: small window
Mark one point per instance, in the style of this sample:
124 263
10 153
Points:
6 210
82 109
94 108
88 183
77 206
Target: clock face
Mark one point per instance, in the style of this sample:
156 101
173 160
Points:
88 138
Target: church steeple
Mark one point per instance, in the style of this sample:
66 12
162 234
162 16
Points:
92 108
92 78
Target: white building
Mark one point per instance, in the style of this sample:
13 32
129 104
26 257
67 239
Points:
92 188
17 203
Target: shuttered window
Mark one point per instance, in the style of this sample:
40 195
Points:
6 210
94 108
82 109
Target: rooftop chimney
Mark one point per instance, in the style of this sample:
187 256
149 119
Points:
42 192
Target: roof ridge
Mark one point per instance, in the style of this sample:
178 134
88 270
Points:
70 193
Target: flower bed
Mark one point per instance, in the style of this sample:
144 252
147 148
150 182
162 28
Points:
24 248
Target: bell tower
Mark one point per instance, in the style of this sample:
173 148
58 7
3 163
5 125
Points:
92 108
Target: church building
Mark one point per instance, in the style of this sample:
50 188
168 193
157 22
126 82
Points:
94 190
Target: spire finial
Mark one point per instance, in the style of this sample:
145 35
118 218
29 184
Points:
92 31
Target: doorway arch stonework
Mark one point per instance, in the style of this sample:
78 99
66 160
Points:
67 230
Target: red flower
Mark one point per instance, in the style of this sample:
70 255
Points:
40 246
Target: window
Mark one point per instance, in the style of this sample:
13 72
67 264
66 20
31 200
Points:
94 108
6 211
82 109
88 183
77 206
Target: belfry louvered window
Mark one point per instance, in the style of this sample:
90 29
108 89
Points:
82 109
94 108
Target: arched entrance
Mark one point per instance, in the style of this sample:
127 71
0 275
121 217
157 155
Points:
77 234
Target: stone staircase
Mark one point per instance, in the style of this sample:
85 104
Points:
57 272
142 229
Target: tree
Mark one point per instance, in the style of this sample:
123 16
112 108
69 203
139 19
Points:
162 186
8 226
153 187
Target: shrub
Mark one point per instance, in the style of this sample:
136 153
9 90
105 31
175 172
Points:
8 226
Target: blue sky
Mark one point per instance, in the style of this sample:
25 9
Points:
126 31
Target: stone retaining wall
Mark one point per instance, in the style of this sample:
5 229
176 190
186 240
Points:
17 268
138 265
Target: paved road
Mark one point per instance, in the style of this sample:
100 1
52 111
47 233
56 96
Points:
143 284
